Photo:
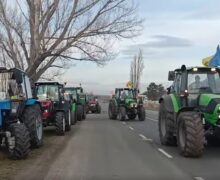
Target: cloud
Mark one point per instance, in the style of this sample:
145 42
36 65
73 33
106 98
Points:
165 41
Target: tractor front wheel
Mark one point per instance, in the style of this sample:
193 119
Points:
190 134
33 121
122 114
19 143
131 116
166 127
79 112
60 123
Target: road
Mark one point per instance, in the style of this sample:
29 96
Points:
103 149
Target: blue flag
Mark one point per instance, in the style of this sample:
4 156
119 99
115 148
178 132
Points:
215 61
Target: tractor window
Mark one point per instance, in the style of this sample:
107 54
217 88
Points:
207 82
48 92
126 94
73 92
4 85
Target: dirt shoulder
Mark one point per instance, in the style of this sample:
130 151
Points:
42 157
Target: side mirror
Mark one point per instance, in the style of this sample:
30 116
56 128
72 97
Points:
171 76
18 76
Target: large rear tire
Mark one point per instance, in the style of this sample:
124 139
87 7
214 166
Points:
122 114
21 146
60 123
141 113
112 111
32 118
166 127
190 134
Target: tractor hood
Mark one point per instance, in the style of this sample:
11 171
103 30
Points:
210 106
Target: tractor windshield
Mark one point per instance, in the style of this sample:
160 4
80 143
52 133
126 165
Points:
127 94
48 92
72 92
204 82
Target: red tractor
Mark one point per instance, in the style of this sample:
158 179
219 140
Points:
93 105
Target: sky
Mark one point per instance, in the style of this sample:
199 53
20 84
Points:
175 32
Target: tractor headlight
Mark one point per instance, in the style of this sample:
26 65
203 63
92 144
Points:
219 116
134 105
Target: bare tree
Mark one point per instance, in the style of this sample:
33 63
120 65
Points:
137 66
36 34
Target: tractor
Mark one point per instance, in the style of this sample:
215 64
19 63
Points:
190 111
93 105
20 114
79 99
125 103
55 105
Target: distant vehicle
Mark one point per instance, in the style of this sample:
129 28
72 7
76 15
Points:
93 105
190 112
56 108
125 103
20 117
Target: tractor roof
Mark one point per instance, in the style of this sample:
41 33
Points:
121 89
48 83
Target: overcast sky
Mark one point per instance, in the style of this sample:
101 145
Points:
175 32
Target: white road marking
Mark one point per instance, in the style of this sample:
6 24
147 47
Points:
145 138
151 119
123 122
165 153
199 178
131 128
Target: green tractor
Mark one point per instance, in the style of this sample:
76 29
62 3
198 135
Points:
79 102
124 103
190 111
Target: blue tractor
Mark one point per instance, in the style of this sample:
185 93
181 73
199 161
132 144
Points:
20 114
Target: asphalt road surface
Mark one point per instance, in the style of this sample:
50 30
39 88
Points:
103 149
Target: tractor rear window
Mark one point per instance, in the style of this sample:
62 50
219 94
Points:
204 82
48 92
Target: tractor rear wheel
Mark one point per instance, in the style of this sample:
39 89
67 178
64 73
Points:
33 121
166 127
141 114
19 146
112 111
190 134
79 113
60 123
122 114
68 121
